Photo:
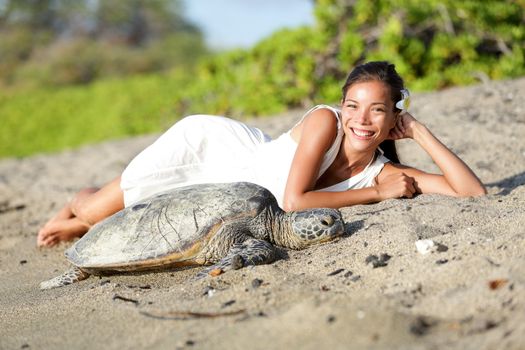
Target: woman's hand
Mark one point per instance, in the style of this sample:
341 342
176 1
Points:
457 179
404 127
396 185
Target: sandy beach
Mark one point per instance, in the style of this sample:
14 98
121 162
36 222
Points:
468 292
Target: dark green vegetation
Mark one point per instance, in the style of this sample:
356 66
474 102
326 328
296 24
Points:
57 93
66 42
434 44
73 73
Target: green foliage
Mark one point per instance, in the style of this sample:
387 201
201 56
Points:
49 119
276 74
82 60
433 43
55 43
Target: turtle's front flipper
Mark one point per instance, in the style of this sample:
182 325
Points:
70 276
250 252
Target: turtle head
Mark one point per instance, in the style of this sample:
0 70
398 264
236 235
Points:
313 226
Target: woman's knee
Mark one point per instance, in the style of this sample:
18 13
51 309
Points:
79 207
92 206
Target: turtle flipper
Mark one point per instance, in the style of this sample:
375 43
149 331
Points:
250 252
72 275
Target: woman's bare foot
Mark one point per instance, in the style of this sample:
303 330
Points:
61 230
64 226
88 207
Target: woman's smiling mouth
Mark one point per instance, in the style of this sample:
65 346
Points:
362 134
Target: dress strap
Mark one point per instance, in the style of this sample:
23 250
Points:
334 110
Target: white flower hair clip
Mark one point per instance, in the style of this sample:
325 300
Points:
404 103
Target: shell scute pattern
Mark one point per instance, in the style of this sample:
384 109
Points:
169 223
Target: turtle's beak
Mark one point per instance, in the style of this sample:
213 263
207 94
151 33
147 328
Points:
335 224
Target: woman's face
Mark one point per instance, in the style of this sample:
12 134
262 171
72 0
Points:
367 113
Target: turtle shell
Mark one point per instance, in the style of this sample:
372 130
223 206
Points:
169 229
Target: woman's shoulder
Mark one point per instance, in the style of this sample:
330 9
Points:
323 114
319 120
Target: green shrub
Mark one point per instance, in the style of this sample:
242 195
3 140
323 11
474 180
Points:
83 60
434 44
50 119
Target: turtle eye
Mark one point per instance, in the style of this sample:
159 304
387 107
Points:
327 220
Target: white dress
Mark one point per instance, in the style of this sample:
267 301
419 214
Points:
213 149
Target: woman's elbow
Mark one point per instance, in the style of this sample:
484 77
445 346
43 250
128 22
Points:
475 192
288 207
291 203
482 191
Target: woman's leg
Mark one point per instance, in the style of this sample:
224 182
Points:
88 207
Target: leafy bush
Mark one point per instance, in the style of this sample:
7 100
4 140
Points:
56 43
83 60
272 76
50 119
434 44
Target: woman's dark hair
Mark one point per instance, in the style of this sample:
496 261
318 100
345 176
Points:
385 72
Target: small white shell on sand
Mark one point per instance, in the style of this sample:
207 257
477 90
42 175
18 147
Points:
424 246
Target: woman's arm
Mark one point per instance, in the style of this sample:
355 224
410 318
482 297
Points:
394 181
318 132
457 179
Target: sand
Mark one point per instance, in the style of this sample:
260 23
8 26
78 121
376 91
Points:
468 294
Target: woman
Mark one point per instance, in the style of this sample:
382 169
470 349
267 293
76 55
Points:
330 158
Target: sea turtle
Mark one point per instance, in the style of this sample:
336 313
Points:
229 225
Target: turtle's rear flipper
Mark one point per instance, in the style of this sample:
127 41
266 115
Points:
250 252
70 276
